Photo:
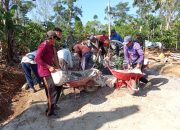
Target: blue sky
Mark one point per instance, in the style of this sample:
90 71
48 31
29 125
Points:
92 7
89 9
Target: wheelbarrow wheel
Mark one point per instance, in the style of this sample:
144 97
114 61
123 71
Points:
133 87
91 87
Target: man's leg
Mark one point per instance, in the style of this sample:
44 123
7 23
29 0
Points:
52 94
146 82
87 60
35 71
27 72
59 89
143 79
83 63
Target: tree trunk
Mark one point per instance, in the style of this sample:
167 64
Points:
10 46
9 33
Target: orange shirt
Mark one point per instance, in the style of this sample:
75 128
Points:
78 48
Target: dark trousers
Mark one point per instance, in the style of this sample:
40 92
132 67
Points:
142 79
27 68
52 93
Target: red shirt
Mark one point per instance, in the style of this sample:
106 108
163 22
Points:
103 38
44 57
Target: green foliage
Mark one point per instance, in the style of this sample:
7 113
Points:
31 35
118 62
168 38
157 20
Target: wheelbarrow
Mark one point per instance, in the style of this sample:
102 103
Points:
83 80
127 78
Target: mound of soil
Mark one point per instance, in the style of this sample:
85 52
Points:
171 70
11 80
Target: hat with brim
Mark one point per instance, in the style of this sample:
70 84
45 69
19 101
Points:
127 39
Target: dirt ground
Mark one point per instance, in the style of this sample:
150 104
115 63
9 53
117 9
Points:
11 79
157 108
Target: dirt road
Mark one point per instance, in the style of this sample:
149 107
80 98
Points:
107 109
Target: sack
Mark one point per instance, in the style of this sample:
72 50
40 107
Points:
59 77
110 80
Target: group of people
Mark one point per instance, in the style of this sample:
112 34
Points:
46 59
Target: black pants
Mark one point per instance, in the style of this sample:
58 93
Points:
142 79
52 93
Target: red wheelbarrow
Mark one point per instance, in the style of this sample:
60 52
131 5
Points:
85 80
127 78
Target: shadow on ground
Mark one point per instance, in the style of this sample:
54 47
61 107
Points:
73 104
33 118
156 84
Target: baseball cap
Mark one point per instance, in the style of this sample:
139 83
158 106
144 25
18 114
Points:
127 39
91 37
51 34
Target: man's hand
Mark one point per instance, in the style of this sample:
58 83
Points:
129 66
51 69
138 66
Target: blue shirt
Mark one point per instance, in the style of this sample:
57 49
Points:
117 37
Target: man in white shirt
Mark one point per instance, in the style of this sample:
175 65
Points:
28 65
65 58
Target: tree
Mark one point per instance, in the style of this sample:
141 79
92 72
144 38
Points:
95 17
78 27
23 8
7 12
65 15
11 23
119 13
168 10
43 11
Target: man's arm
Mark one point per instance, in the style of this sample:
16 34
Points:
141 55
126 56
39 54
119 38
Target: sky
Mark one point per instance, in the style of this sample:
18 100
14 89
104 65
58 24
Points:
92 7
89 9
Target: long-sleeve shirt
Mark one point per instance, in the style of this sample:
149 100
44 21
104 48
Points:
44 58
117 37
66 55
133 54
103 38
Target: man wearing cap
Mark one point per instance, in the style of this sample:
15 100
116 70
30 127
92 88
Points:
29 66
115 36
139 39
45 59
134 56
104 38
58 32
